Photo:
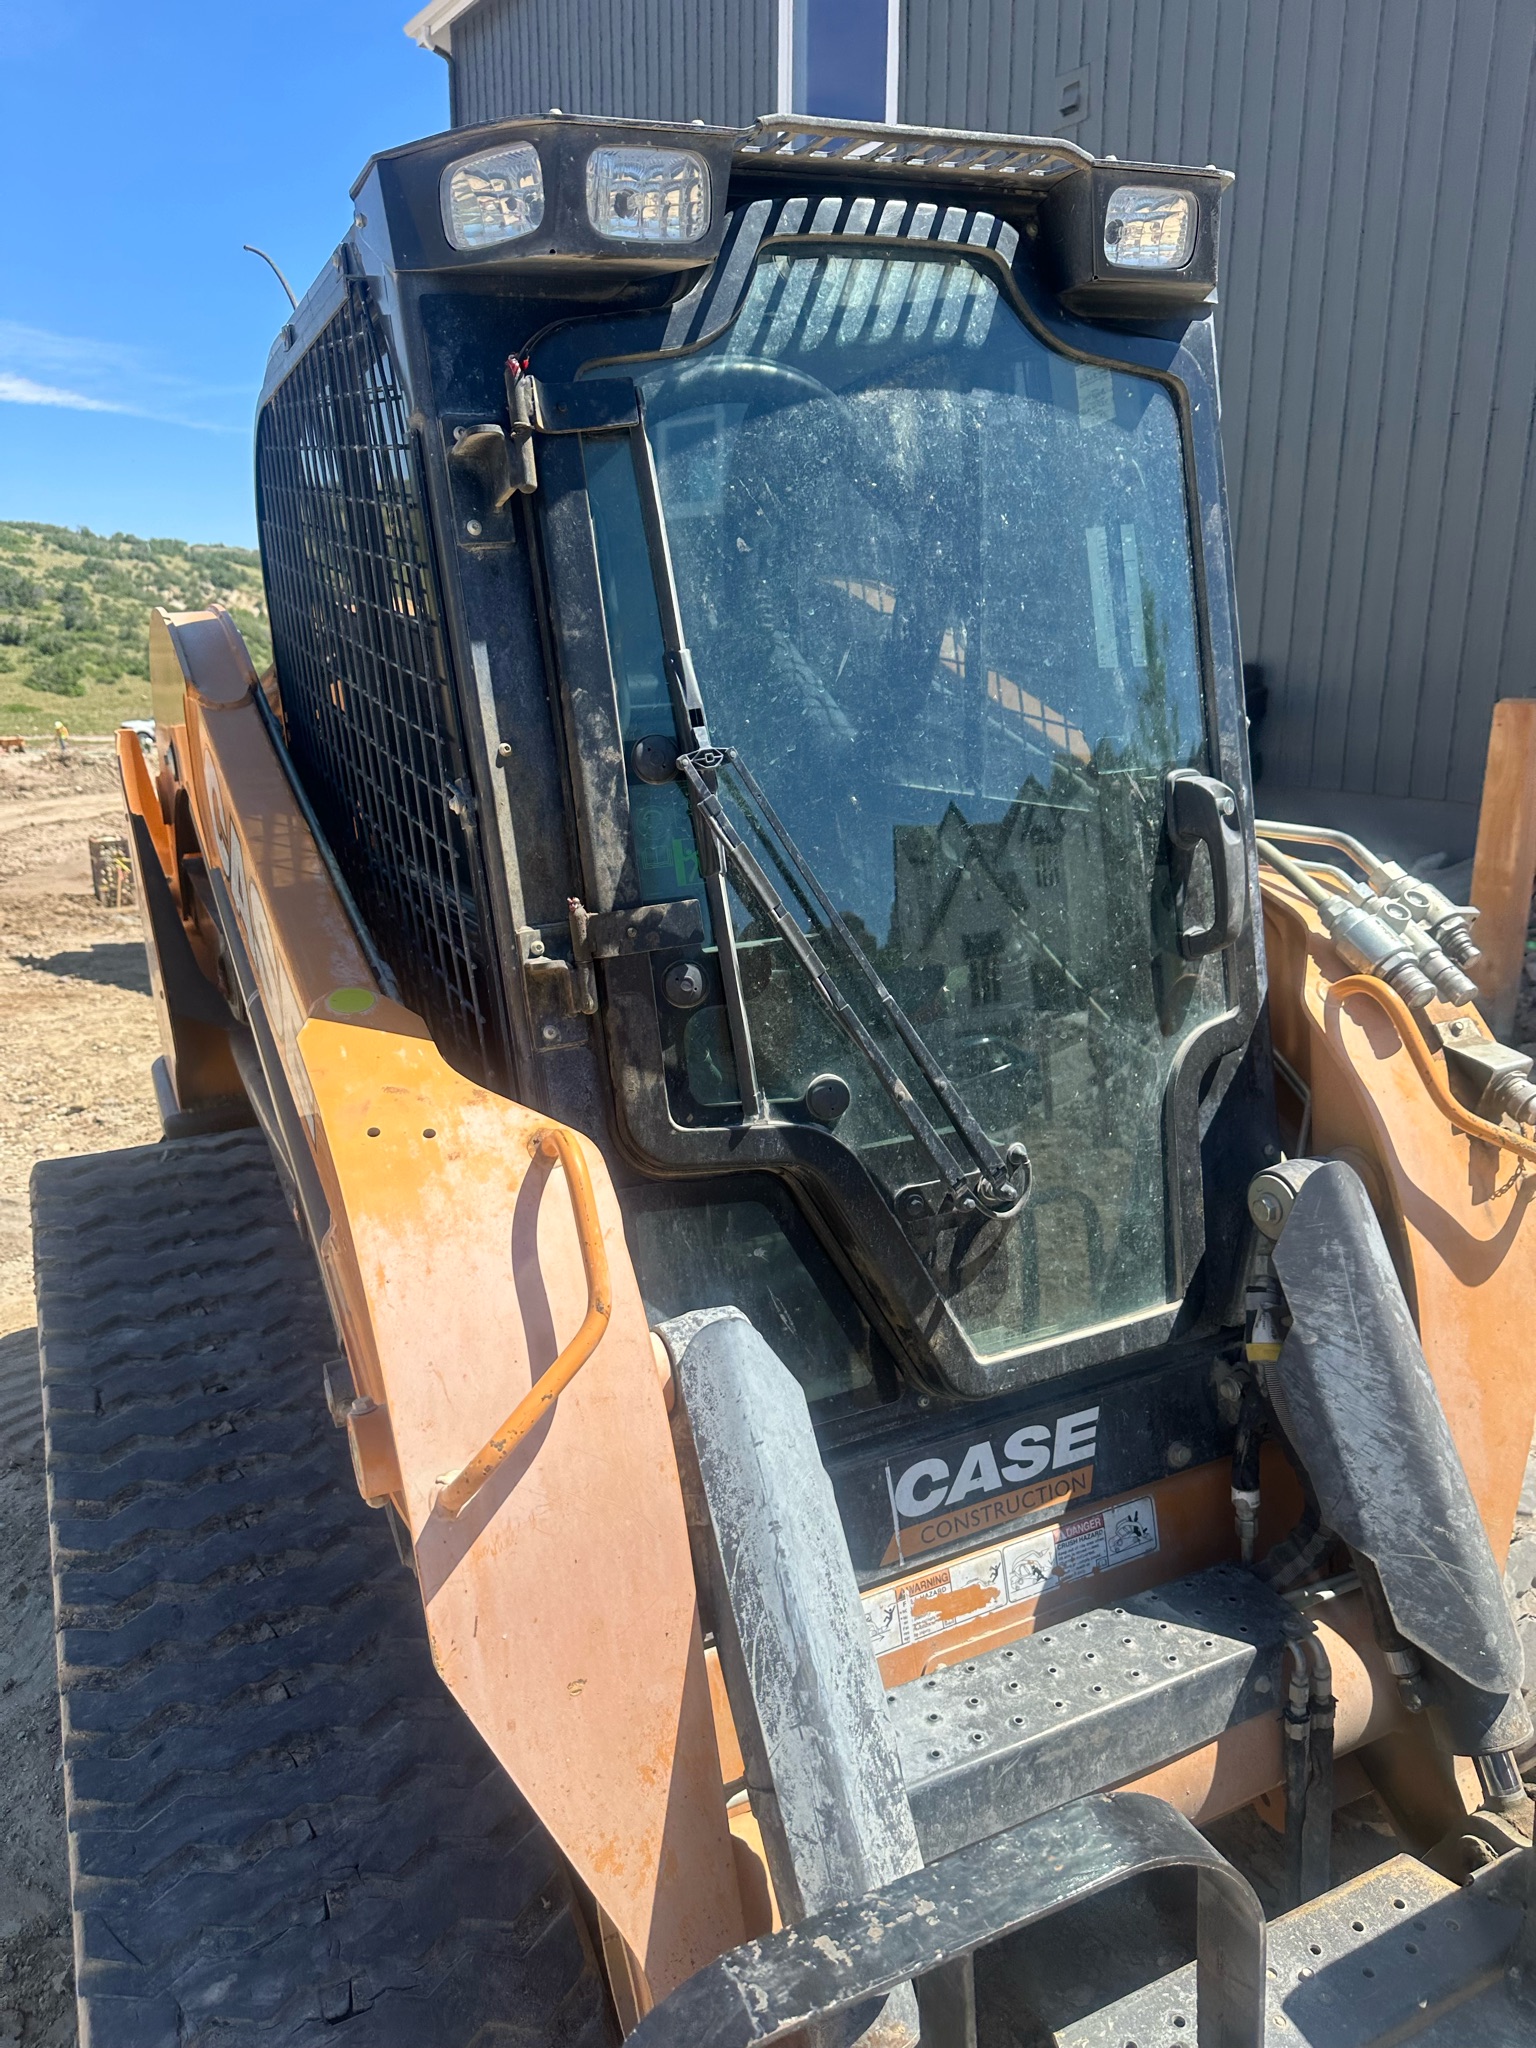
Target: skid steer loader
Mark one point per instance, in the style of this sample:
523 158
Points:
936 1316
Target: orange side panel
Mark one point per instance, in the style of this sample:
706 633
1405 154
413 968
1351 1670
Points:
139 794
1455 1209
198 1060
560 1603
561 1599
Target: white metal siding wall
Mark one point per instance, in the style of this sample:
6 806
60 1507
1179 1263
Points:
1378 330
666 60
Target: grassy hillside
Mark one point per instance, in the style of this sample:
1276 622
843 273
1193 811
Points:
74 619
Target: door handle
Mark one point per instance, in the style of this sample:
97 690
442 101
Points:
552 1143
1200 812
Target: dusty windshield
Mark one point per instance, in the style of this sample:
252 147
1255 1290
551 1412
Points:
936 578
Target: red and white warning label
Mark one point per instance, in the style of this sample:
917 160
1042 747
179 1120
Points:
1012 1575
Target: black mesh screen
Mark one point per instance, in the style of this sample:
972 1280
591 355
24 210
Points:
364 671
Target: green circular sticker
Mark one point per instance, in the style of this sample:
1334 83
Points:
350 1002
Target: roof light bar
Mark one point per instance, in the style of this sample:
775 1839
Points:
1011 159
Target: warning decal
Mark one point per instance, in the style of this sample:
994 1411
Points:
1010 1576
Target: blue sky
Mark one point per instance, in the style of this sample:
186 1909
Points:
139 147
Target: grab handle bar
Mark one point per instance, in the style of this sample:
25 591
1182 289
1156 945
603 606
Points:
552 1143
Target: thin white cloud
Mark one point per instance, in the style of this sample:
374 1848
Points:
71 354
23 391
103 376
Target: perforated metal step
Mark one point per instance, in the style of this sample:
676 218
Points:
1086 1704
1400 1954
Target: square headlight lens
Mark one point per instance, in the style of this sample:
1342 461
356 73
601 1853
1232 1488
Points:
638 194
1149 227
497 196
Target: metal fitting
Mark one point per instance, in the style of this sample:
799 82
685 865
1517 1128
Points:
1458 941
1372 947
1512 1095
1298 1685
1450 924
1451 985
1498 1773
1245 1508
1490 1078
1272 1192
1407 1668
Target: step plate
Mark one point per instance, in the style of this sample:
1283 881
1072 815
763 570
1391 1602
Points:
1086 1704
1397 1954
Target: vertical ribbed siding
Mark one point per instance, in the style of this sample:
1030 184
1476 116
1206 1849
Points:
1379 296
662 60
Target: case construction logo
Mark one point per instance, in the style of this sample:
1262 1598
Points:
943 1499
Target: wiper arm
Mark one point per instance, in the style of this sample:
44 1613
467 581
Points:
1002 1185
693 731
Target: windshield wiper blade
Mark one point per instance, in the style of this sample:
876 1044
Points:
1003 1177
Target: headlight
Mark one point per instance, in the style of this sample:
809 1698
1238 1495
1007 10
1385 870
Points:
494 197
648 195
1149 227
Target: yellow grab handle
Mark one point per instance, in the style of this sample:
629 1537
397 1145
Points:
552 1143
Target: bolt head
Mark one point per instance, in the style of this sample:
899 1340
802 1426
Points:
504 751
549 1033
473 528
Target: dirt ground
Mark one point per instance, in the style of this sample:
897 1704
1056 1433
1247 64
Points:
75 1016
77 1037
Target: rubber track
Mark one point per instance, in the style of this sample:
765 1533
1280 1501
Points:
280 1825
